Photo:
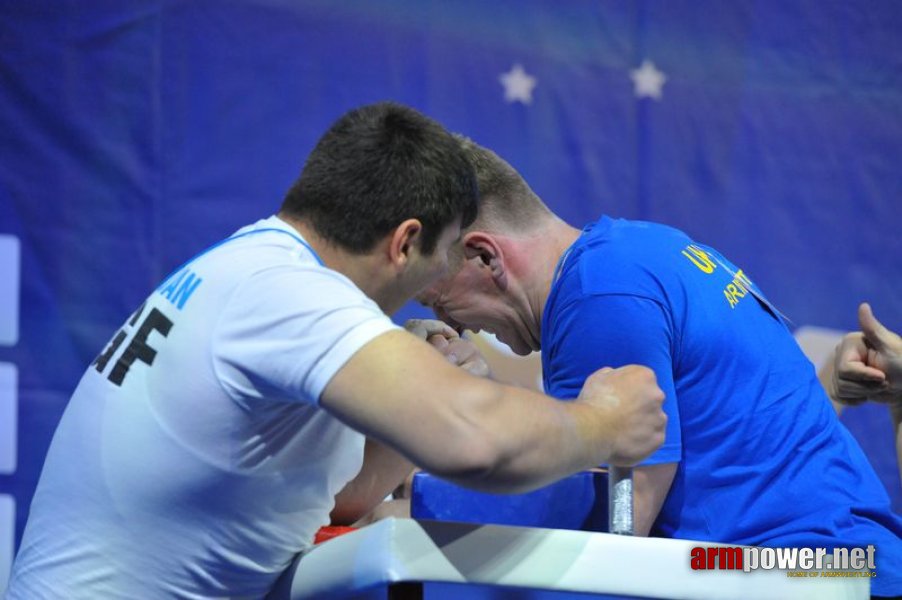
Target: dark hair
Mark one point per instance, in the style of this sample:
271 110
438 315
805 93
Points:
377 166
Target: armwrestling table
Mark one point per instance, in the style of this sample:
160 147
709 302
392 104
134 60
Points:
407 559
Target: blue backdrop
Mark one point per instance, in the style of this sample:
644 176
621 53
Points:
133 134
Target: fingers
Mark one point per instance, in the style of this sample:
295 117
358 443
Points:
874 332
464 353
853 393
457 350
446 340
439 341
886 342
851 361
424 328
477 368
868 364
859 372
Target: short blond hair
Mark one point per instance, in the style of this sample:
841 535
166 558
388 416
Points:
507 203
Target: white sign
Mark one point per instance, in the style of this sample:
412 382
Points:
9 416
9 290
7 537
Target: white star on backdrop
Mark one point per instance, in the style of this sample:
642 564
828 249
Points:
518 85
648 80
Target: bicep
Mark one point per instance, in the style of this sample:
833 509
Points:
399 390
285 332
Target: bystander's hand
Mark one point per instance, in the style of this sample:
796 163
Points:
868 363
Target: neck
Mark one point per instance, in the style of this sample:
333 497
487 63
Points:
359 268
536 257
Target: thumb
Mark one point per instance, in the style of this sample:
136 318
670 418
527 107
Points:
874 332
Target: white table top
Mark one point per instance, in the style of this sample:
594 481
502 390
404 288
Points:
398 550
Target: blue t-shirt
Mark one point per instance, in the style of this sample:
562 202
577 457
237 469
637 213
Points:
762 457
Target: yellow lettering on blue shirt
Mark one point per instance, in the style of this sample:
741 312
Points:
699 258
737 289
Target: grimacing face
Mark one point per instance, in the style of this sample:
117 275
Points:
468 297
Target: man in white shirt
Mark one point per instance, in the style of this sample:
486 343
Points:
206 444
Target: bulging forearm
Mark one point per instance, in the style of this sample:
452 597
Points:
526 440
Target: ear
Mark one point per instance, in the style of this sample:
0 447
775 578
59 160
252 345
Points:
485 247
402 241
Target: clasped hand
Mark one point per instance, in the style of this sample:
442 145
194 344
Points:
456 349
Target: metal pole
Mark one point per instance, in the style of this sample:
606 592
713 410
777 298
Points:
620 500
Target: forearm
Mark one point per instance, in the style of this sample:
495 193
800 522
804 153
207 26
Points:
470 429
532 440
383 470
460 427
651 484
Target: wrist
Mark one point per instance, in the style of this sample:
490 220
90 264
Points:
594 431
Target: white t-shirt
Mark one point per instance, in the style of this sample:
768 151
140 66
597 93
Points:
193 460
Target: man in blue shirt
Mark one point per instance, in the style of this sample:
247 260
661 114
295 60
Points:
754 453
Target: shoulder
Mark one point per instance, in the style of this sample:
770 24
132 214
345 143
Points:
270 274
618 256
266 250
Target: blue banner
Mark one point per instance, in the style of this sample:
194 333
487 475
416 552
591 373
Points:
133 134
